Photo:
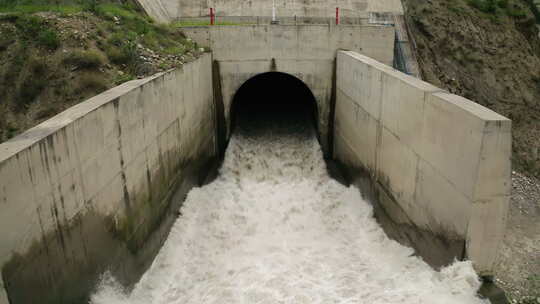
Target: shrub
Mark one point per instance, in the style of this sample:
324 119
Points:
502 3
38 66
49 39
515 12
140 26
150 41
92 6
29 25
495 7
11 132
486 6
175 50
5 41
15 66
123 51
116 55
123 78
34 28
116 39
534 9
122 11
85 59
29 90
92 82
129 49
33 79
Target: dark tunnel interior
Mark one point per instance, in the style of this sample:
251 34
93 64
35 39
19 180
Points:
273 98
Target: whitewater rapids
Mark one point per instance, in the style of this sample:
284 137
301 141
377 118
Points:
275 228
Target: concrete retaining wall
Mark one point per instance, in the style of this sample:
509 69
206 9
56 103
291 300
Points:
97 186
287 8
437 162
168 10
3 294
307 52
162 11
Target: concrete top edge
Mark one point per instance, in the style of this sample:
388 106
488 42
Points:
25 140
367 60
390 71
471 107
290 25
459 101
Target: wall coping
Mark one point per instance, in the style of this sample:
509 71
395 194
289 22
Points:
36 134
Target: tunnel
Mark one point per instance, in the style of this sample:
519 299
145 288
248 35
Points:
273 98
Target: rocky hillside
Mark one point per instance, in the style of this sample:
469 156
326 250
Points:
54 56
489 52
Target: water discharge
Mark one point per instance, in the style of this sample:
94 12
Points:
275 228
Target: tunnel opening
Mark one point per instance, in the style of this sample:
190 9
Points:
274 99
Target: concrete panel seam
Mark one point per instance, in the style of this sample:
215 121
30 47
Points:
348 145
352 101
478 164
379 130
3 292
429 163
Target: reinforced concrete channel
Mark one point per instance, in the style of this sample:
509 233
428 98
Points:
219 180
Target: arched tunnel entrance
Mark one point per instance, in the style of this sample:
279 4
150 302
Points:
273 98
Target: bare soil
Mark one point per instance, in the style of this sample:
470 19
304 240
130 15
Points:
494 59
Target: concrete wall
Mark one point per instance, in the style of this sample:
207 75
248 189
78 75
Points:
96 187
3 294
287 8
307 52
438 162
162 11
167 10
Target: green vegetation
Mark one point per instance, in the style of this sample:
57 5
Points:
92 82
534 8
29 9
123 78
36 29
33 81
203 23
120 8
58 6
534 281
130 28
498 7
121 48
56 53
91 59
488 6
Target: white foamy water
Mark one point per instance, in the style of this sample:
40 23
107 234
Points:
275 228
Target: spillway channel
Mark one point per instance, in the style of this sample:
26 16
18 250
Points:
274 227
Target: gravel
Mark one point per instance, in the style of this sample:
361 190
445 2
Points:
519 266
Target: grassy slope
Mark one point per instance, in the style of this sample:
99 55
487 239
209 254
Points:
54 56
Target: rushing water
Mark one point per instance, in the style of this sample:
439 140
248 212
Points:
275 228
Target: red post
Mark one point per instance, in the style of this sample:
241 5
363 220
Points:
212 18
337 15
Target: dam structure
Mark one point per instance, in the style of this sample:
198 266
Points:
298 161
